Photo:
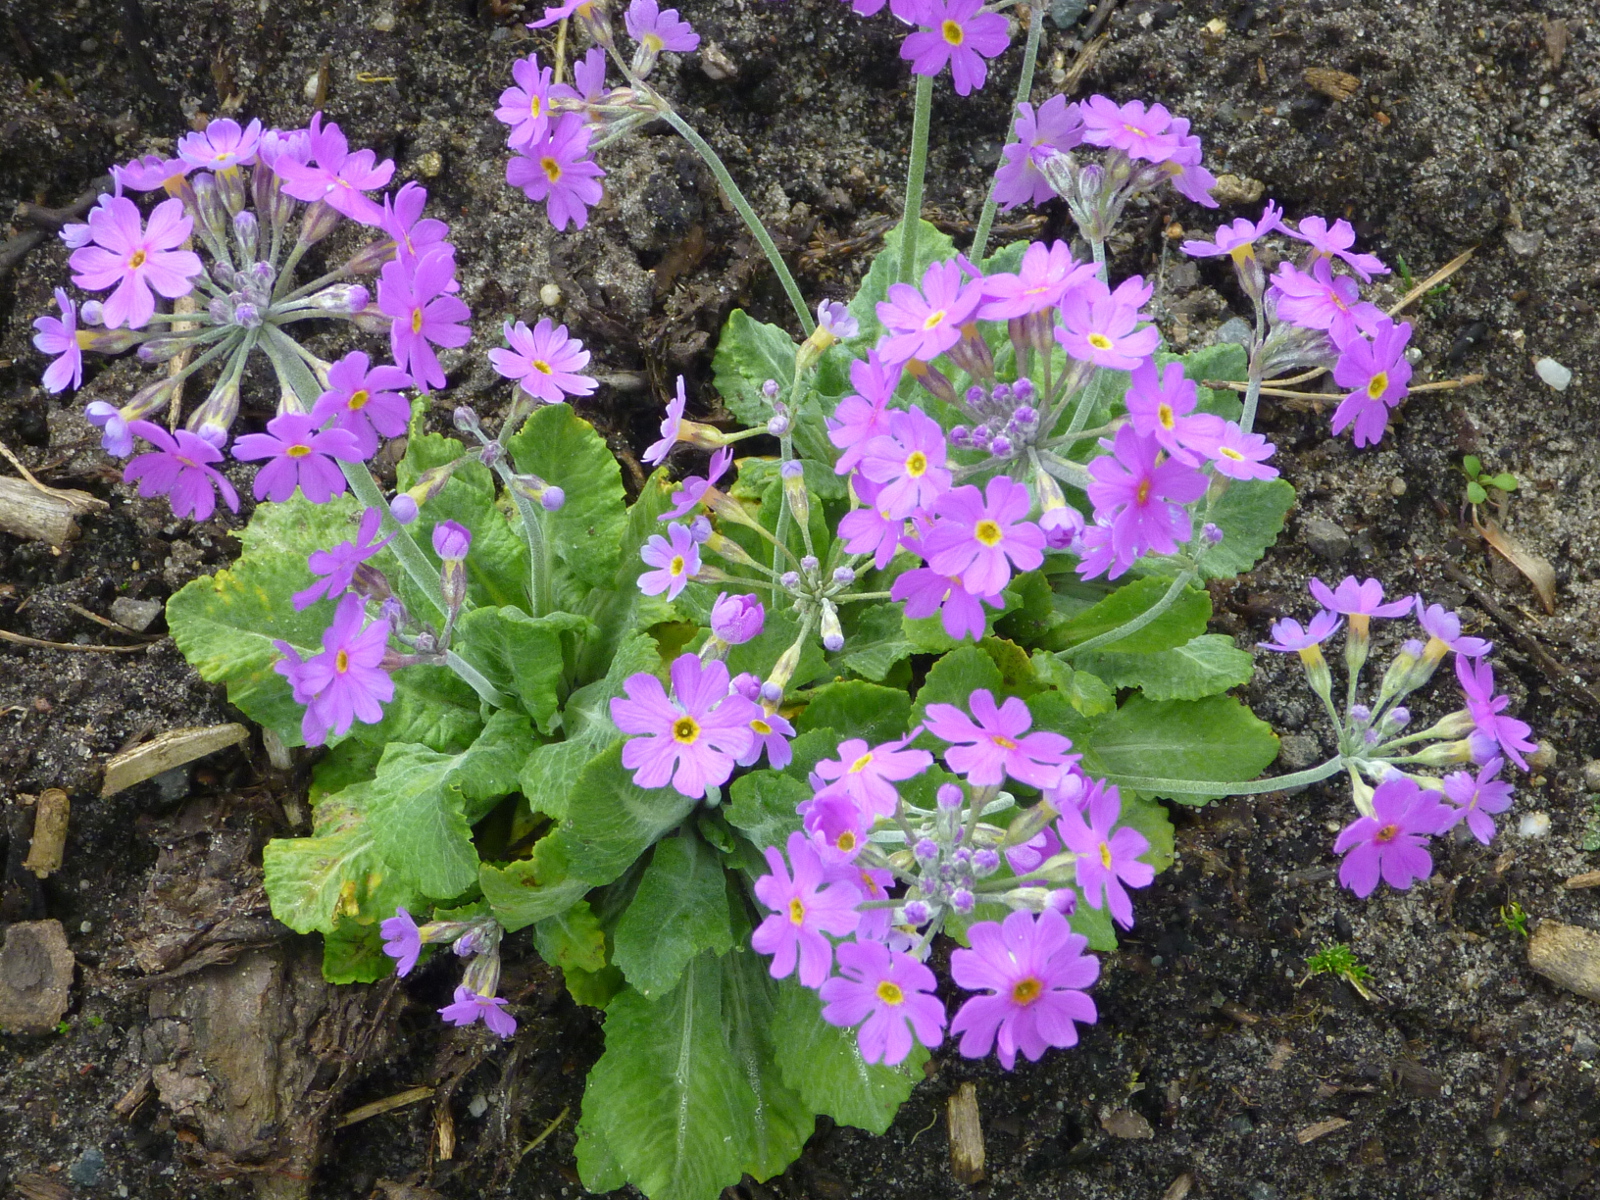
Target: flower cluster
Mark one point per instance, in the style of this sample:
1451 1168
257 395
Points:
840 876
477 940
1398 806
243 207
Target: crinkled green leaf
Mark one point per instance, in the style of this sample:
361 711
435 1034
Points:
955 677
1202 666
431 705
749 353
610 821
858 710
1186 619
1250 514
763 805
598 1168
572 940
620 608
823 1063
550 774
878 644
1149 817
521 655
531 889
1086 692
563 449
1212 740
680 910
354 954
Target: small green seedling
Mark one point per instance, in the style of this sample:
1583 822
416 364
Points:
1408 281
1591 827
1340 961
1514 919
1482 487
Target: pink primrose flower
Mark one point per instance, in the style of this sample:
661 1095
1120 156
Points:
1237 454
1476 799
59 336
998 744
863 415
693 489
1493 732
402 941
151 173
1288 637
926 592
302 455
338 565
1161 402
1323 301
923 325
469 1007
1378 372
556 169
1037 975
890 995
1440 624
221 146
334 175
1043 279
545 361
910 461
1141 497
868 775
1183 165
1391 841
1139 132
658 29
870 529
1238 239
695 738
180 468
1056 128
1336 242
980 536
836 825
346 681
676 558
364 401
1108 857
1357 598
402 219
135 258
769 735
525 107
958 34
1098 324
805 906
656 453
416 296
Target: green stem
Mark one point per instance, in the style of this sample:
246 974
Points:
1195 787
1252 394
1099 250
412 559
1128 628
487 692
916 170
779 267
541 594
1030 56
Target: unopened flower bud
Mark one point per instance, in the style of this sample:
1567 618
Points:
737 619
960 435
1398 717
230 186
790 579
916 912
747 685
832 632
371 257
1360 714
1025 417
1000 447
962 900
795 494
247 315
770 389
976 396
778 426
465 419
771 693
320 220
844 576
700 529
985 862
554 498
1211 532
213 213
950 797
245 232
926 850
93 312
1064 901
160 349
451 542
808 563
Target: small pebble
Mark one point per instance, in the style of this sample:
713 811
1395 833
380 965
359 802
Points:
137 615
1324 538
429 164
87 1170
479 1106
384 22
1591 775
549 295
1553 373
1534 825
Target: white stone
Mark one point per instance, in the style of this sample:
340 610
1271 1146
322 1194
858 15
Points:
1553 373
1534 825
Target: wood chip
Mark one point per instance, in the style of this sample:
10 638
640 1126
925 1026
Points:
378 1107
166 751
966 1134
1280 1055
40 1187
1555 40
1568 956
136 1095
444 1125
1588 879
1318 1128
1336 85
28 513
1125 1123
1179 1188
49 833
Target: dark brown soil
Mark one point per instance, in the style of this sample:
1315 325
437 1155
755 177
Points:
1467 1075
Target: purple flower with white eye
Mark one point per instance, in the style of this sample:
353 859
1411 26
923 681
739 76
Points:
656 453
1237 454
221 146
1476 799
1142 497
1238 239
116 438
544 360
1491 728
1108 857
981 536
1037 976
997 744
926 592
692 740
136 258
424 314
364 401
180 468
60 337
1288 636
890 995
1378 372
805 905
334 175
413 234
924 324
1357 599
1444 626
769 735
909 461
302 455
737 619
338 566
1056 128
525 107
1139 132
693 489
1161 403
470 1007
344 683
868 775
959 34
1391 841
657 29
676 558
1323 301
402 941
557 170
863 415
1098 324
1336 242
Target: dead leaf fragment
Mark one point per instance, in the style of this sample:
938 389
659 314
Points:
1535 567
1336 85
166 751
966 1134
1125 1123
1179 1188
1555 40
1318 1128
1588 879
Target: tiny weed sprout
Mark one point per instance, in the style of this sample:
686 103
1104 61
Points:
1340 961
1514 919
1482 486
909 681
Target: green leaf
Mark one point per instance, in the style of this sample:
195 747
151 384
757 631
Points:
598 1168
858 710
551 774
878 644
763 805
955 677
685 1099
1213 740
1086 692
1250 514
1472 465
932 246
1202 666
621 609
432 705
610 821
749 353
823 1064
520 654
1094 924
531 889
563 449
1224 360
1149 817
572 940
424 804
1475 493
1186 619
680 909
497 560
354 954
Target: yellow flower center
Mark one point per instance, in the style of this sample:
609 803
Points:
653 43
358 400
1230 452
675 567
686 731
953 33
1099 341
1387 834
934 319
298 450
552 169
917 464
1135 130
1026 991
535 106
1164 415
890 993
988 532
797 912
1105 855
543 367
1004 743
416 320
1243 253
1143 494
1378 385
761 727
860 764
847 841
137 260
341 661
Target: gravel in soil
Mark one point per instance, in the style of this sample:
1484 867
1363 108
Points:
1468 124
